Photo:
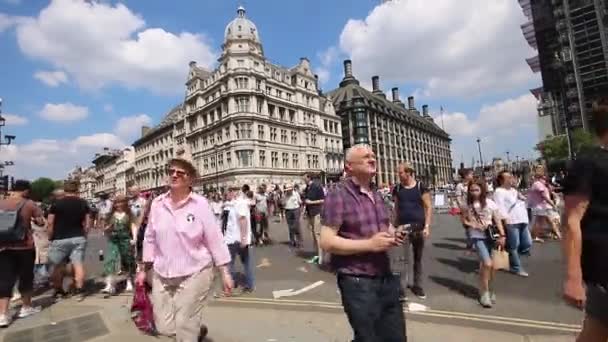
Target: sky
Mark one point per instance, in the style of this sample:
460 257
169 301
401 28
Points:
77 76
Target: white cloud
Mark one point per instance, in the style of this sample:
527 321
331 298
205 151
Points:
108 108
51 78
509 125
327 58
129 127
111 45
7 22
54 158
15 120
63 112
452 47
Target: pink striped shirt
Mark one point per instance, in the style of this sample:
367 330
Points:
182 240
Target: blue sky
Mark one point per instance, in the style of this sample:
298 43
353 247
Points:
78 76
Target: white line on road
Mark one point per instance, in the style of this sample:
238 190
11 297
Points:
288 293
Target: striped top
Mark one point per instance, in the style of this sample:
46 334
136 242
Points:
182 239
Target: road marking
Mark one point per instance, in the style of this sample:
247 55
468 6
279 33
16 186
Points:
291 292
264 263
435 313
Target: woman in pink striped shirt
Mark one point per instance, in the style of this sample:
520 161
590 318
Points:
182 243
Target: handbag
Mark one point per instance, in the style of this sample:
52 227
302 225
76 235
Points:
142 312
500 259
492 232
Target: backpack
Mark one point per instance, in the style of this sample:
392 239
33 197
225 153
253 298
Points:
11 227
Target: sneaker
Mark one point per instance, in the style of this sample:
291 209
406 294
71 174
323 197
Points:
107 289
313 260
80 295
111 292
403 299
58 294
28 311
418 292
248 290
522 274
203 333
4 321
493 297
129 287
16 297
485 300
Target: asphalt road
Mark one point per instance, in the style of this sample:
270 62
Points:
450 277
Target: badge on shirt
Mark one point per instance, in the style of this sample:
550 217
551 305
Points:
190 218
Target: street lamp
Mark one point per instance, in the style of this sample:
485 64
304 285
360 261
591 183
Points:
560 65
479 148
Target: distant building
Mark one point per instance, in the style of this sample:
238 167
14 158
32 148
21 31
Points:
105 172
125 169
395 131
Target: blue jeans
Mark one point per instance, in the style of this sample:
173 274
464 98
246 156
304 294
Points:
372 307
246 256
519 241
483 247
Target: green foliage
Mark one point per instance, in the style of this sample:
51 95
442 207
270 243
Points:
556 148
42 188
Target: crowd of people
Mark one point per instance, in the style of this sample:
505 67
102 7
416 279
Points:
178 241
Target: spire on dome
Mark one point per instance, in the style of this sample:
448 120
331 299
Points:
241 12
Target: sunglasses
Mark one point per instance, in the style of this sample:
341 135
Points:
178 173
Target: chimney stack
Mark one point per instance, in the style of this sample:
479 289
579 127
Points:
348 74
192 64
145 130
425 110
375 84
348 68
396 95
410 103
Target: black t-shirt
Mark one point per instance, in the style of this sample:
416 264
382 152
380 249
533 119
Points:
70 213
314 192
588 175
409 203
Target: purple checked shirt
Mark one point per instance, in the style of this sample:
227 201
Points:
357 217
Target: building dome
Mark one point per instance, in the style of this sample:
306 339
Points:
241 28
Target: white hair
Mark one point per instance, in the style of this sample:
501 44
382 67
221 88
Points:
349 152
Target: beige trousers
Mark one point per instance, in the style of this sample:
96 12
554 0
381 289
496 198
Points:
179 302
314 224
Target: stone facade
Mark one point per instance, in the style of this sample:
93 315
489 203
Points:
105 172
396 132
252 121
86 181
125 164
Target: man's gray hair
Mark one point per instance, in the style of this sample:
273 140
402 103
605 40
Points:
349 152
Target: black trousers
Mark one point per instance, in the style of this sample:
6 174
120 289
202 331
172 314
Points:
16 264
373 308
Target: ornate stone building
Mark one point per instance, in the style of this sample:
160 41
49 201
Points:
395 131
105 172
252 121
154 149
125 166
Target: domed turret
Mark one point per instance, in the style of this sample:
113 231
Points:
241 28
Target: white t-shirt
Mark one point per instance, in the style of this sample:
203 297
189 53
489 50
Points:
511 207
293 201
237 208
485 215
461 194
217 207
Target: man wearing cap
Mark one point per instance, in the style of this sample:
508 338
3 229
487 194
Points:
412 212
183 243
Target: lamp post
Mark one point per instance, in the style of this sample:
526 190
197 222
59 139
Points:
7 138
560 65
479 148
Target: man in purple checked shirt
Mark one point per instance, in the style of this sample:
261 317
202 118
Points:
357 232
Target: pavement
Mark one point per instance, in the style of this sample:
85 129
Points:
528 309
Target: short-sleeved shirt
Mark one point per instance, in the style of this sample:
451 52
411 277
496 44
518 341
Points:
535 196
588 175
409 203
461 194
28 211
485 215
237 208
355 216
314 192
70 213
261 203
137 206
513 209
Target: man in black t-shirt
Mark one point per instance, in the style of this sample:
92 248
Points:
412 213
68 223
586 235
314 196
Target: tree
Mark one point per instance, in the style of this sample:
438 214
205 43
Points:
556 148
42 188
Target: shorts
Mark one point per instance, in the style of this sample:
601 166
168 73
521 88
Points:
541 212
597 303
483 248
73 249
16 265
